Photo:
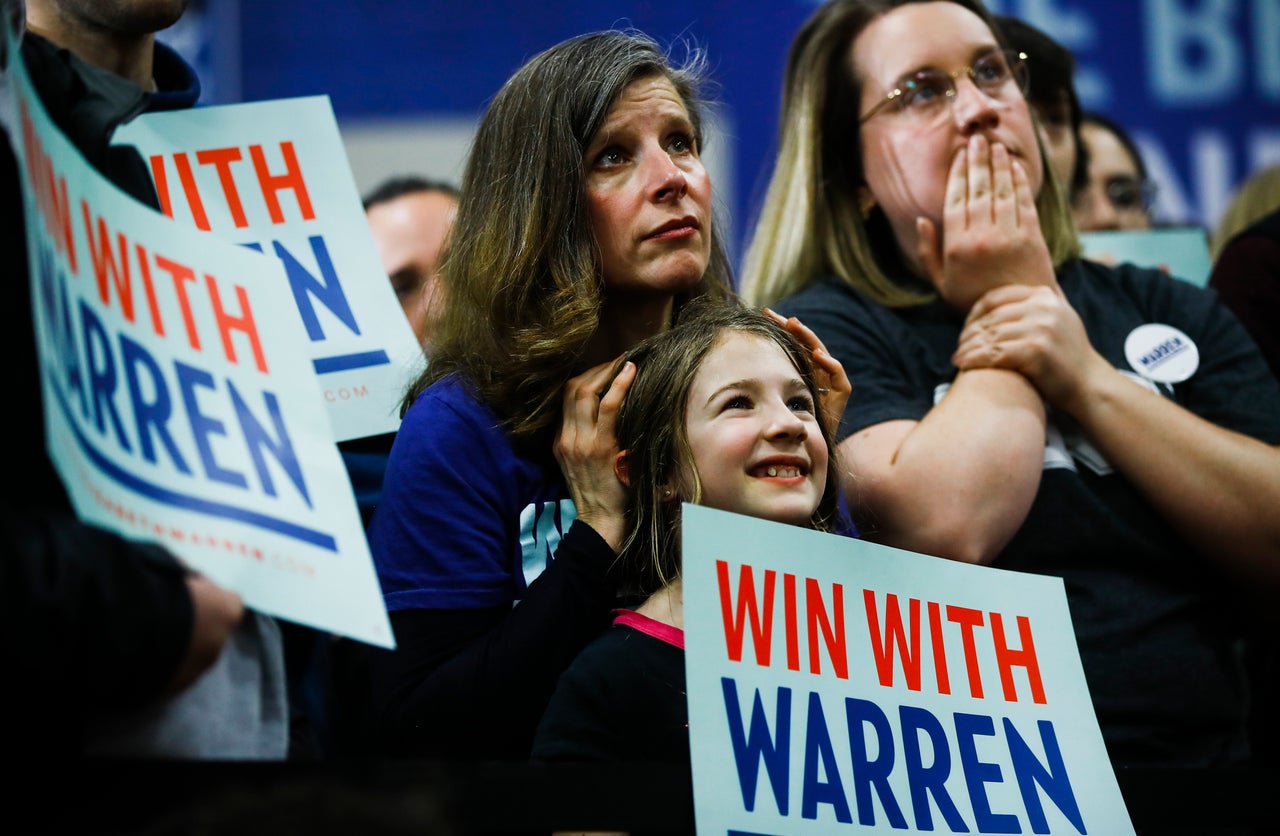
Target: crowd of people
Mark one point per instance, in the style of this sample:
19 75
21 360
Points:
593 363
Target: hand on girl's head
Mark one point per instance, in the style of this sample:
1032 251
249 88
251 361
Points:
833 383
991 231
586 447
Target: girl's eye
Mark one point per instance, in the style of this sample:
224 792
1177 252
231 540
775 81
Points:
738 402
801 403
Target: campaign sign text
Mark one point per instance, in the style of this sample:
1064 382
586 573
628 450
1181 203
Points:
274 177
837 686
180 405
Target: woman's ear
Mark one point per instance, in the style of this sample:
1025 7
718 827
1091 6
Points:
622 468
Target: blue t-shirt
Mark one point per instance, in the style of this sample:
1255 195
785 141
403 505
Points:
467 519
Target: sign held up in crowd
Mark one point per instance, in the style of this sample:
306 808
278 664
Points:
181 405
273 176
839 684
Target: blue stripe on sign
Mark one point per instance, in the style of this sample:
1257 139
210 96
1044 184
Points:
344 362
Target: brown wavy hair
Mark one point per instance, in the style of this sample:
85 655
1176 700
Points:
521 270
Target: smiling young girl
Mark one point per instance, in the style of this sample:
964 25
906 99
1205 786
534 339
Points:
727 410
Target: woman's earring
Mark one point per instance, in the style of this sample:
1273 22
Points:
666 493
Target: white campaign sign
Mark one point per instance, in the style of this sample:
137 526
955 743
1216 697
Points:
274 176
180 404
1182 252
836 685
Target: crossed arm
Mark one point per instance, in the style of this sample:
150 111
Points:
960 482
1220 489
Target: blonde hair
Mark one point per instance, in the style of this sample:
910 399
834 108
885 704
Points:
810 224
1257 196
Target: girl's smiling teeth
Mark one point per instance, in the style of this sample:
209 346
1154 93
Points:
785 471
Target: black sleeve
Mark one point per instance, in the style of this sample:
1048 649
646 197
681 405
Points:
93 624
474 683
889 367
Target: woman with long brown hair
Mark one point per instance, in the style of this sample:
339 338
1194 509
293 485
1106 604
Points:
585 224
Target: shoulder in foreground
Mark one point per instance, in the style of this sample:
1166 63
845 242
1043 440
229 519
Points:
622 655
453 388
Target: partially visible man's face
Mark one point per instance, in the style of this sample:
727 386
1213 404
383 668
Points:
409 232
124 17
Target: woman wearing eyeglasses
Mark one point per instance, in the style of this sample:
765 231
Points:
1014 405
1117 193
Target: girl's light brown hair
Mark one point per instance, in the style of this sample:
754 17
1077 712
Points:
652 429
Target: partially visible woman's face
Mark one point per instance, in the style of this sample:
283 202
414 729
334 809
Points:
649 195
906 161
1112 198
1059 138
754 433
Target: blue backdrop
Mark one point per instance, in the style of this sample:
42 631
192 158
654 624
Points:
1197 81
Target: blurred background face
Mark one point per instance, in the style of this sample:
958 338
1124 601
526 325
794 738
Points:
409 233
1051 94
1114 196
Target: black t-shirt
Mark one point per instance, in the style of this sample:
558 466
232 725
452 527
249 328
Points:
1153 618
622 700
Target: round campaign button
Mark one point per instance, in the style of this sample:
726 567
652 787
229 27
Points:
1161 353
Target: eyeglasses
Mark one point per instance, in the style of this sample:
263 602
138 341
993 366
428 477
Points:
925 94
1129 194
1123 192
